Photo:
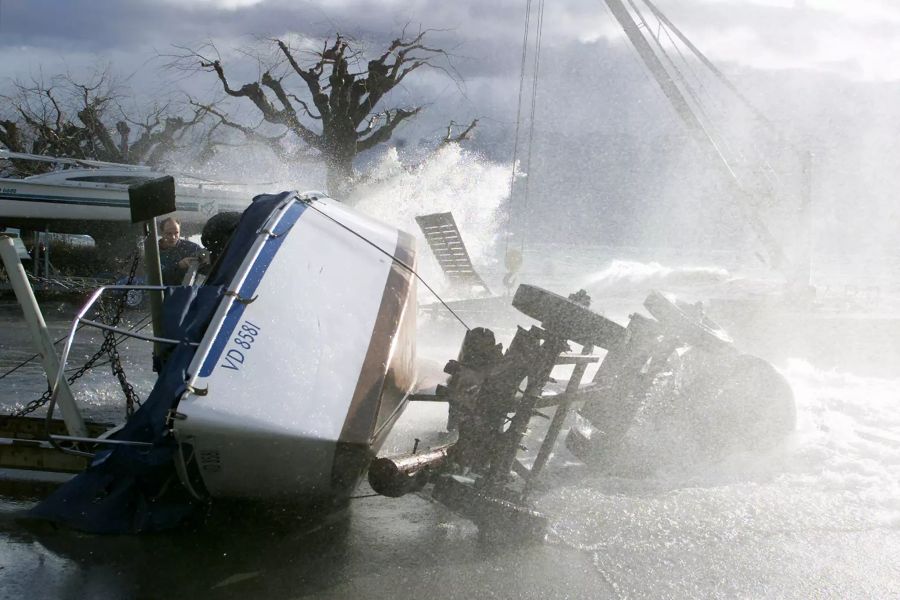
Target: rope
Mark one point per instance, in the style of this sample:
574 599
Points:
512 175
770 176
34 356
56 343
534 87
363 496
308 202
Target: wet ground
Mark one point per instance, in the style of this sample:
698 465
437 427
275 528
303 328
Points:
378 547
818 517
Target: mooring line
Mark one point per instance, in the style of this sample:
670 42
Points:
309 201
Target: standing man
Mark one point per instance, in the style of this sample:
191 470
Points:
175 253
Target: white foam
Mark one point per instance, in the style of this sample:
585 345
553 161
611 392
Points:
451 179
837 478
622 276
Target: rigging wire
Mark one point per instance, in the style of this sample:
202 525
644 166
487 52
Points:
34 356
771 176
515 157
711 66
699 106
676 96
719 141
534 88
309 203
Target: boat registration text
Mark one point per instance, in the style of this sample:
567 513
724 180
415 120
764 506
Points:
241 344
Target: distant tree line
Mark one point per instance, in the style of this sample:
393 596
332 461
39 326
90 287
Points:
326 103
87 119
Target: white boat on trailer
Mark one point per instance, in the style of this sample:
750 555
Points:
293 360
79 191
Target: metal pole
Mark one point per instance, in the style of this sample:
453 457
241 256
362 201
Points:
154 277
35 252
41 338
46 239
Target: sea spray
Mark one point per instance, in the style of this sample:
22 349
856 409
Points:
451 179
254 170
836 478
624 276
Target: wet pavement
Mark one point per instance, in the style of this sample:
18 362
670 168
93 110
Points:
816 518
377 547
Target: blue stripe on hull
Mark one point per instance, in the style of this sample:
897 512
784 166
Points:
251 283
107 202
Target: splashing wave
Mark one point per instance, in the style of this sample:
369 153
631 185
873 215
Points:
451 179
626 275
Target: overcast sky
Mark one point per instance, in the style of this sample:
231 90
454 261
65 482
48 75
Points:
825 71
857 38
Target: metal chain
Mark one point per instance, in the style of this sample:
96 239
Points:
109 347
131 397
45 397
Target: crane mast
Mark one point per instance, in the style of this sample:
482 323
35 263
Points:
668 81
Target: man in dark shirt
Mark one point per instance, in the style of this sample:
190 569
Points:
175 253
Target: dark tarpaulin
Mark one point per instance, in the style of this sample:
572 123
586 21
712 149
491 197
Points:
243 237
132 489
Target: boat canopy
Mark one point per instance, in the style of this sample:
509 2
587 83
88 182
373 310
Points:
126 488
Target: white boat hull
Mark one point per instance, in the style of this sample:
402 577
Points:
24 200
303 383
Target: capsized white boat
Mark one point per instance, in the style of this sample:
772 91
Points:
291 363
90 191
306 367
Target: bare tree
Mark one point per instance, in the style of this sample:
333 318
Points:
86 119
337 112
449 138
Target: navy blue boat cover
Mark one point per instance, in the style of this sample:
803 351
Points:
129 489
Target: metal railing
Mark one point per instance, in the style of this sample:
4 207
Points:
70 340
